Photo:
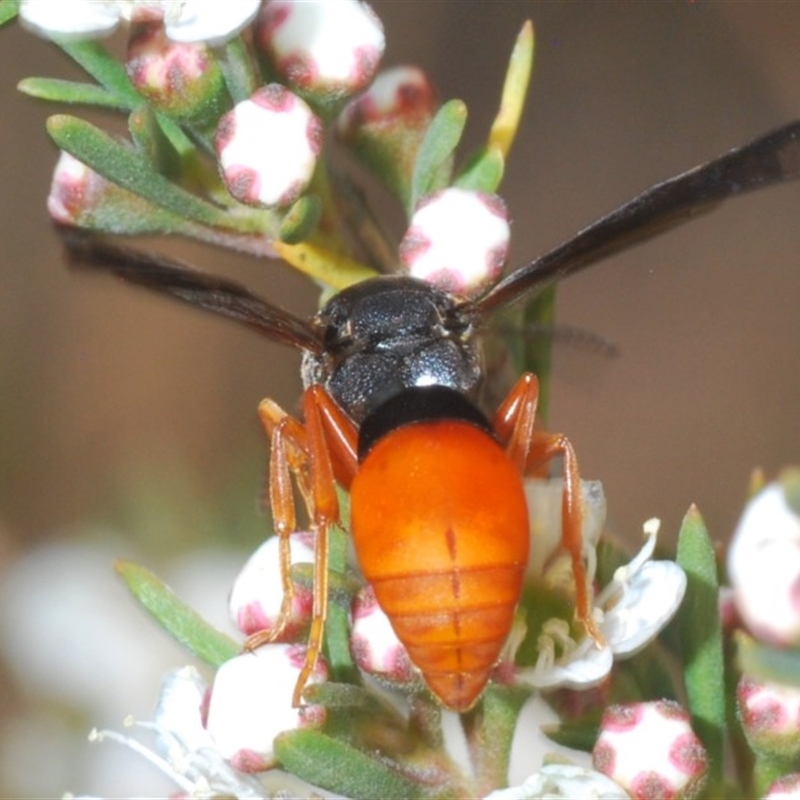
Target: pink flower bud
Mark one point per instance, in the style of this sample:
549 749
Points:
651 751
375 646
785 788
384 126
257 593
251 703
182 79
267 147
764 564
770 716
74 191
397 96
457 240
328 50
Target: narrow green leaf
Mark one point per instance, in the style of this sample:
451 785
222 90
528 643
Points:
59 91
342 695
8 10
237 69
106 70
515 89
701 636
301 219
765 663
153 143
441 139
121 165
337 767
175 617
489 731
483 172
577 735
533 353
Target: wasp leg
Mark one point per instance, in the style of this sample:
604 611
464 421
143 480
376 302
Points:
315 454
531 449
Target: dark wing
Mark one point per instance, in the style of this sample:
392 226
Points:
763 162
223 297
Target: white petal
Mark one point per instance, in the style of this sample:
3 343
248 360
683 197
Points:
179 708
567 781
77 18
544 499
648 603
210 21
585 667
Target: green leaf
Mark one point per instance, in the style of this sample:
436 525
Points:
8 10
106 70
483 172
580 735
533 353
175 617
301 219
441 139
59 91
121 165
701 637
153 143
765 663
337 767
237 69
515 89
342 695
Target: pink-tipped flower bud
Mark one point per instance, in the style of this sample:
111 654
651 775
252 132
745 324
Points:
384 126
267 147
182 79
764 563
251 703
770 716
325 50
457 240
375 646
785 788
257 594
74 191
651 751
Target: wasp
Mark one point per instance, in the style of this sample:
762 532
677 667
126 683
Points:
392 370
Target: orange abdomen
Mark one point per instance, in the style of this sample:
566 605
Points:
440 527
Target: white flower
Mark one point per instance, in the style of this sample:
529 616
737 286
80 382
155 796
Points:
257 594
566 781
183 750
251 703
209 21
764 565
322 46
268 146
651 751
457 240
630 612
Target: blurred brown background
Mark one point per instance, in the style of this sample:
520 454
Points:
98 382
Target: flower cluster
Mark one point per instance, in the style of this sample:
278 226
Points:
232 109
